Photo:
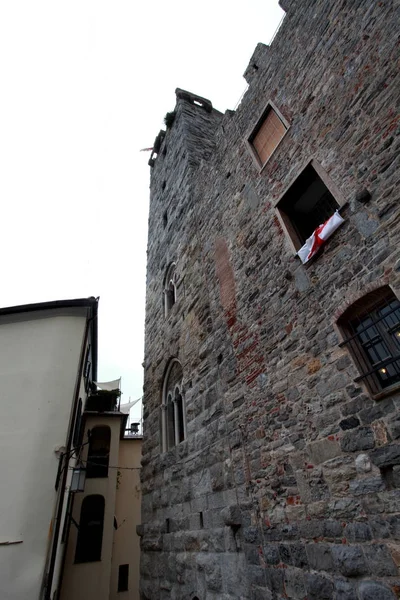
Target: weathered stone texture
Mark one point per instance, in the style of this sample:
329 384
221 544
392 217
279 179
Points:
288 482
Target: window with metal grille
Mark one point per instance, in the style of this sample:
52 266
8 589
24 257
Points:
307 204
123 578
267 134
372 334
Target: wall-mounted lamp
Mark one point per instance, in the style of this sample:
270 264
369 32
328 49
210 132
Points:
78 479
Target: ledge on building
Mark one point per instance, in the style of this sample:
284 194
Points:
258 57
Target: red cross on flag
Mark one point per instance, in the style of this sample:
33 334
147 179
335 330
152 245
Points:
319 237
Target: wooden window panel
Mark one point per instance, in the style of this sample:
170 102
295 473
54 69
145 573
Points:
268 136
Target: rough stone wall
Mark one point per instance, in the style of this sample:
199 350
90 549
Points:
279 490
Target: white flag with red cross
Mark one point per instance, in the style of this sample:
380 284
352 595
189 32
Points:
319 237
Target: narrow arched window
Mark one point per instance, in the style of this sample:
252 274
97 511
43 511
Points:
170 422
99 452
371 331
90 531
169 289
180 433
173 410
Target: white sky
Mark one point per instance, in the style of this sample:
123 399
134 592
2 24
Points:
85 85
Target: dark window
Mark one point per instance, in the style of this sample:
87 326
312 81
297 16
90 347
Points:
67 521
372 330
90 532
123 578
307 204
99 452
173 408
169 289
77 427
179 415
170 422
267 134
165 219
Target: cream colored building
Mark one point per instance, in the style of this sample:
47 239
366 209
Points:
56 542
102 547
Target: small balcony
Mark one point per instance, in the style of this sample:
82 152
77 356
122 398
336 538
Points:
133 431
103 401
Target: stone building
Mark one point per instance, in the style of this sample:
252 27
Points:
271 455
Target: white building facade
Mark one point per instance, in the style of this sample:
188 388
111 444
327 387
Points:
48 355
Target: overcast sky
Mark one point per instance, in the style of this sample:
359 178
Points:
85 85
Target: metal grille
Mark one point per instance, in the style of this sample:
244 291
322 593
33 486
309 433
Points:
376 335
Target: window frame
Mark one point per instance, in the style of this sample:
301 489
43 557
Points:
364 307
253 131
289 230
173 415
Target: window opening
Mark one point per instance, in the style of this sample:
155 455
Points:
90 532
372 327
99 452
180 434
169 289
165 219
306 205
173 409
123 578
170 422
267 135
77 427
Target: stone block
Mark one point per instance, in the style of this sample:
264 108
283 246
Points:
294 583
386 456
318 587
271 554
275 579
349 423
232 516
319 557
377 411
367 485
357 532
323 450
358 439
370 590
380 560
349 560
363 463
345 590
394 427
299 555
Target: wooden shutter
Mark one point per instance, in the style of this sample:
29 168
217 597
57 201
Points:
268 136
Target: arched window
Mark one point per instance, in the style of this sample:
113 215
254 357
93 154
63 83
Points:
173 417
99 452
169 289
90 532
371 331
